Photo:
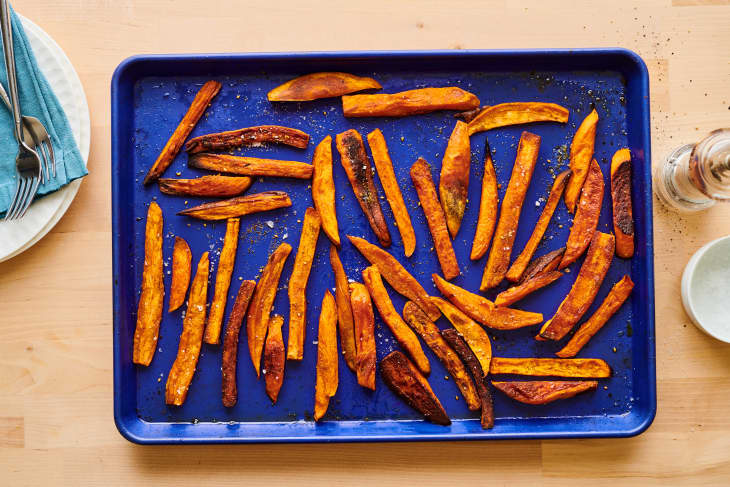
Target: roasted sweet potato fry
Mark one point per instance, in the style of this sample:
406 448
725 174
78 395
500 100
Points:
181 261
454 180
327 361
362 313
488 206
206 186
435 217
187 124
412 102
261 303
323 189
239 206
519 291
230 343
482 310
544 391
298 284
429 333
469 115
149 310
509 215
250 166
357 167
623 214
403 335
396 275
589 368
581 154
321 85
384 166
274 358
544 263
474 334
584 289
616 297
516 113
518 267
191 339
586 217
249 136
406 381
222 282
345 321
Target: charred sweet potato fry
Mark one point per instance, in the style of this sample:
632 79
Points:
187 124
429 333
474 334
403 335
345 321
544 263
396 275
544 391
406 381
584 289
274 358
519 291
257 319
239 206
435 217
249 136
364 319
412 102
469 115
581 155
616 297
384 166
181 261
321 85
323 189
517 113
222 282
518 267
454 180
250 166
206 186
298 284
586 217
191 339
230 343
623 214
357 167
488 206
589 368
327 361
149 310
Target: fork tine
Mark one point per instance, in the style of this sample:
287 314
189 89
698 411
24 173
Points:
49 147
31 196
21 202
45 163
13 201
22 184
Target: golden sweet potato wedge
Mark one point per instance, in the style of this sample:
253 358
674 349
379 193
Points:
403 335
474 334
222 282
519 291
435 217
589 368
200 103
586 217
327 361
406 381
518 267
623 214
239 206
517 113
412 102
321 85
581 155
263 299
362 313
454 179
247 137
230 343
206 186
345 321
359 171
323 189
191 339
584 289
509 216
298 284
616 297
149 310
544 391
250 166
182 259
544 263
396 275
429 333
488 206
274 358
384 166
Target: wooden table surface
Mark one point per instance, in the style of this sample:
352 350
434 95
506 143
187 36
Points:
56 425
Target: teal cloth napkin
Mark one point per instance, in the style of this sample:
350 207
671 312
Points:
38 100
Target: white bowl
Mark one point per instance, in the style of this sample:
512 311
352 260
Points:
706 289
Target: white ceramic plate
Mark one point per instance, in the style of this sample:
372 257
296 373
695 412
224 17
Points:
19 235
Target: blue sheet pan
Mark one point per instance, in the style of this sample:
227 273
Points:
149 96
